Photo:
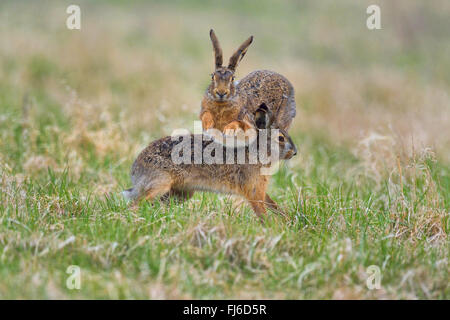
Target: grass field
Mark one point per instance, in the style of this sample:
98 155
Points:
370 186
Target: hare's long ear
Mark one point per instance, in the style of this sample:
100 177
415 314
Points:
263 117
239 54
217 49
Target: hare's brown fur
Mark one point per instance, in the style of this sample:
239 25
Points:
271 88
154 174
228 105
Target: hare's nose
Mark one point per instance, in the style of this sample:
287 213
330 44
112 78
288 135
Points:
294 150
221 95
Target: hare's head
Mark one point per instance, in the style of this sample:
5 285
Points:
222 87
275 135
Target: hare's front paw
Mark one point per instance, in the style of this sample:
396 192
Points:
207 121
241 130
233 129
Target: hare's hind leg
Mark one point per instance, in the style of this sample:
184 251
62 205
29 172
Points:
152 186
178 195
158 189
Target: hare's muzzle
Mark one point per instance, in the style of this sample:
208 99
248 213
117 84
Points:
291 151
221 94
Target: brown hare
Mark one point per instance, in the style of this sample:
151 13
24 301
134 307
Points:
228 105
155 173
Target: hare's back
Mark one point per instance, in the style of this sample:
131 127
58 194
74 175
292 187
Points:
271 88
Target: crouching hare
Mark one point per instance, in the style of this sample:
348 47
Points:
155 173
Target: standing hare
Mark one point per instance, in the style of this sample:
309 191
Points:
155 173
228 105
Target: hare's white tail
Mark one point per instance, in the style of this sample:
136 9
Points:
130 194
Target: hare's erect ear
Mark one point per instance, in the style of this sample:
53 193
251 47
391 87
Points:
263 117
239 54
217 49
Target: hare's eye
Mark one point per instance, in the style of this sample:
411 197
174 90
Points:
232 78
281 138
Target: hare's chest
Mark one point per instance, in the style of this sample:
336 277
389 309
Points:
224 117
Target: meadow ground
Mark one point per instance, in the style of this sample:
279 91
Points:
370 185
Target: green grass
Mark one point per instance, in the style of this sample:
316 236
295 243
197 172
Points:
207 249
74 113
